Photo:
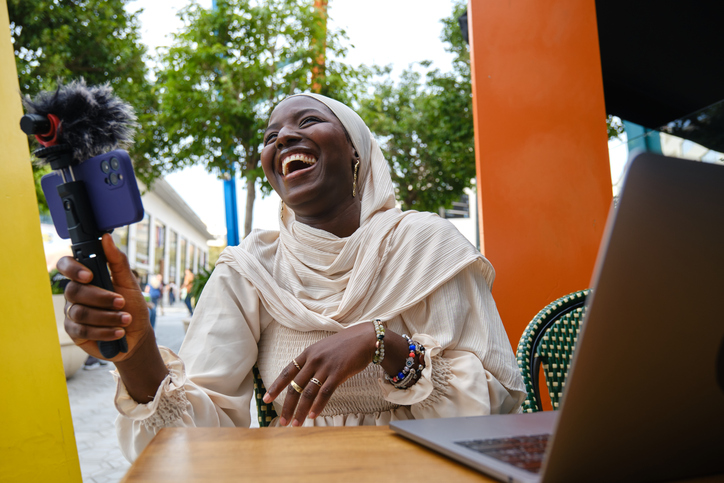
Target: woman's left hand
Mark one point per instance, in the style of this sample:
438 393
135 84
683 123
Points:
324 366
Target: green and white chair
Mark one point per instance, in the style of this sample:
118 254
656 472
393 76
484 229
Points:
549 340
265 412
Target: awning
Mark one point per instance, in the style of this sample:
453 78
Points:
663 65
663 61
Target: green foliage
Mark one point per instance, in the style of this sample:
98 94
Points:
226 71
200 281
63 40
614 127
425 129
56 279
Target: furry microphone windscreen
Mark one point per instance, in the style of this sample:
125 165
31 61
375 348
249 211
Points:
93 120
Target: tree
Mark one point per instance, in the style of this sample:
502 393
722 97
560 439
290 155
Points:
426 129
62 40
225 72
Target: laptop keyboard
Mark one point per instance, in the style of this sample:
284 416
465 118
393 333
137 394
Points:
525 452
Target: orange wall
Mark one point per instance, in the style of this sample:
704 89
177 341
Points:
544 182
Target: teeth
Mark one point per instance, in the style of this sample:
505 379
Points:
305 158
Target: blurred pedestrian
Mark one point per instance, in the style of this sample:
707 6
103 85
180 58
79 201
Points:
153 288
171 293
186 289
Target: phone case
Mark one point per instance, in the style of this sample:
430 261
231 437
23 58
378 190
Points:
112 190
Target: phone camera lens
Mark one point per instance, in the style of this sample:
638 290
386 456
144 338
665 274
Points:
114 179
105 167
115 164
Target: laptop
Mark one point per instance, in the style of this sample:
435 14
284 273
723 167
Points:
644 398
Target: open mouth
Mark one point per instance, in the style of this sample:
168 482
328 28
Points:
296 162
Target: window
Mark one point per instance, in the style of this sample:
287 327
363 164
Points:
460 209
182 247
159 245
120 238
172 249
143 235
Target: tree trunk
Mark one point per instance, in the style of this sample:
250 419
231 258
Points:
250 197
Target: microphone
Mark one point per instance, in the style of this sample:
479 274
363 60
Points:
74 123
89 119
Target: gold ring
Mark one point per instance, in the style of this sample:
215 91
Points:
67 310
297 387
316 381
296 364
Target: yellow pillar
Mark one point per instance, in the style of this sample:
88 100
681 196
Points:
544 182
37 442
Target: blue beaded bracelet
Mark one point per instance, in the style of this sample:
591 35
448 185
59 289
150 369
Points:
409 374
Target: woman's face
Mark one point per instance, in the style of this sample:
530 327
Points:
307 157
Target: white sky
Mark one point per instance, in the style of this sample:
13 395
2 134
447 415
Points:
382 32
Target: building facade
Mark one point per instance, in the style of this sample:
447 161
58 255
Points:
169 239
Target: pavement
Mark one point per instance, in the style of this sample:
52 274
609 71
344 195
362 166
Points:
91 405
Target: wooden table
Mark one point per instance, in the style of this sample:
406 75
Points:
298 455
360 454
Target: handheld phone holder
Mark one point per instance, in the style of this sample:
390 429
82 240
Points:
84 235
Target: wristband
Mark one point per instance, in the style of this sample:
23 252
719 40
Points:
380 344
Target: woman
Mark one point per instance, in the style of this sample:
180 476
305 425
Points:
304 304
186 287
154 289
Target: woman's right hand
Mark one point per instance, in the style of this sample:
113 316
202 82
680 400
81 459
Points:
93 313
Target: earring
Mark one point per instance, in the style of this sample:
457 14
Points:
281 212
354 183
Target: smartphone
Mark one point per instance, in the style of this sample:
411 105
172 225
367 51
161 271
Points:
112 192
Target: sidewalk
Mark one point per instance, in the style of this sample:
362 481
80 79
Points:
91 404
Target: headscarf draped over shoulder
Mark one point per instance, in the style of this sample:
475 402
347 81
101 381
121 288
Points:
309 279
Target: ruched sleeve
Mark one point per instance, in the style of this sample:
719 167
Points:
210 383
468 356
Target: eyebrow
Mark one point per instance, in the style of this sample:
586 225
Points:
298 115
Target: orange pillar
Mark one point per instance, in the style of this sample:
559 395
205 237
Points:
543 176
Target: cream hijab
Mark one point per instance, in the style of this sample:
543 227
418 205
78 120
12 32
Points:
309 279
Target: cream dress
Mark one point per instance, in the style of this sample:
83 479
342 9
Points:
281 291
210 381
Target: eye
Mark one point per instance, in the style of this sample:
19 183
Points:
270 137
309 120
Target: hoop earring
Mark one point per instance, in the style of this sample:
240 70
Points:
354 183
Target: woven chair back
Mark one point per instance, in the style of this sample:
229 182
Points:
548 341
265 412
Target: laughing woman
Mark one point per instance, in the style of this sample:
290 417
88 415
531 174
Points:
355 312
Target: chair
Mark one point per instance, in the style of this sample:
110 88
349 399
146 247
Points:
548 340
265 412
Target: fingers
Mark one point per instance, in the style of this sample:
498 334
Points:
281 382
305 391
84 315
92 296
315 396
80 333
324 393
107 325
74 270
118 263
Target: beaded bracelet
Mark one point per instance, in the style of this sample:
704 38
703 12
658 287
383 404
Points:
380 344
409 374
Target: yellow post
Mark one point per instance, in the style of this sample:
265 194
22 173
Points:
37 442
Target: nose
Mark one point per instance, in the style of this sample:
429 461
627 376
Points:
287 135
